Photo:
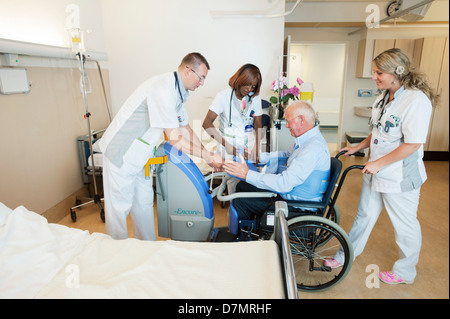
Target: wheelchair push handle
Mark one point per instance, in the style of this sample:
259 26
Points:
340 154
352 166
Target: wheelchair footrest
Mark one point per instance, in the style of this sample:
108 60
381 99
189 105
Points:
246 228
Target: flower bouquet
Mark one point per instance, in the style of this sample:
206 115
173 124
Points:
284 94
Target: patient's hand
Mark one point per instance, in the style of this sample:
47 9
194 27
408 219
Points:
237 169
216 162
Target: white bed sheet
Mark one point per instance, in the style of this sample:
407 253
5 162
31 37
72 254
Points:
32 251
40 260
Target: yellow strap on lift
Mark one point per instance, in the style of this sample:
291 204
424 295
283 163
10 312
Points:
154 161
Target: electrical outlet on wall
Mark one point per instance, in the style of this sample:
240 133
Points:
11 59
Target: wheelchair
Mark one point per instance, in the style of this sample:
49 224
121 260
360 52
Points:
315 235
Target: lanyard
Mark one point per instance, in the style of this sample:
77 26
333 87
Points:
230 123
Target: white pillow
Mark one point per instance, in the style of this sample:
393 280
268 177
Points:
4 212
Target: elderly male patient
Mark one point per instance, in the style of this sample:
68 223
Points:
301 173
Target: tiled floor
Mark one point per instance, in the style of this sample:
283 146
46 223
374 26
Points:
432 281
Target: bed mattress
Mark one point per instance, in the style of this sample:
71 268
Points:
42 260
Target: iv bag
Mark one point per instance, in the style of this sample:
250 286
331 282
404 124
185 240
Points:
76 36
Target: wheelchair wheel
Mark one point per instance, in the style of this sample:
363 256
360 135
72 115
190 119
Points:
312 240
334 215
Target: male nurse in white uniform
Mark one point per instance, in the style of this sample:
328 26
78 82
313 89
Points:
157 106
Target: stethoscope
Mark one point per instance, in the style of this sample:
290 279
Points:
177 84
250 96
381 105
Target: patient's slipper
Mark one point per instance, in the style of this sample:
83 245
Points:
390 278
332 263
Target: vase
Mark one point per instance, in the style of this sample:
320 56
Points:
280 112
276 112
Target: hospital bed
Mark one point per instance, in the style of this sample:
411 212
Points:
43 260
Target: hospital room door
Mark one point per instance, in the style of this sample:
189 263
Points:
323 65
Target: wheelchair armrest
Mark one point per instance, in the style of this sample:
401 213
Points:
306 204
230 197
218 192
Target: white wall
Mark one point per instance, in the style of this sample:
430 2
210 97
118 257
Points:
44 22
321 64
147 37
349 122
39 164
142 38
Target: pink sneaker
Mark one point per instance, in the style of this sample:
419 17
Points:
332 263
390 278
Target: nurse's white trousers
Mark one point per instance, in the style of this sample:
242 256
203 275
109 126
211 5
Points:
126 190
402 210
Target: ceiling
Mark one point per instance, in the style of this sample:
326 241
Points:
339 23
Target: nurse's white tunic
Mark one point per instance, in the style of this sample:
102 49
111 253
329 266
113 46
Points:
234 133
128 143
404 120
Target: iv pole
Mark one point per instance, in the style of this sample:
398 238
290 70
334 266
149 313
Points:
96 199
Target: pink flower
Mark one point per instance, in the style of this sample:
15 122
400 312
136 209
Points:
279 86
279 83
295 91
285 92
274 85
282 81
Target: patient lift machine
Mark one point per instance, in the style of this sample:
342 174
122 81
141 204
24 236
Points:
185 202
190 214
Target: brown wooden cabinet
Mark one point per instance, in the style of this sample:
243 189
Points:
382 45
431 56
407 46
369 49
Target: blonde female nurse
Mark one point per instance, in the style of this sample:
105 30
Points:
395 171
240 111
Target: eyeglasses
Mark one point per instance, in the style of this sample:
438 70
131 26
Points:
202 78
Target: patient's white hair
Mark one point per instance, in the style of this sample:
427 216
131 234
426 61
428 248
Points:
303 108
